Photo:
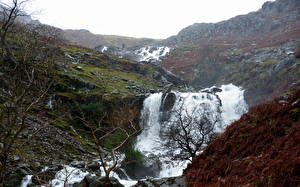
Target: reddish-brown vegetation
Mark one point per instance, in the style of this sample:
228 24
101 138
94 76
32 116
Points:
211 49
260 149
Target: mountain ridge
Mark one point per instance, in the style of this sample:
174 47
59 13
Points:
214 54
88 39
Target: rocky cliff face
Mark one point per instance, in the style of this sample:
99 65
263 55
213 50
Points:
279 16
255 51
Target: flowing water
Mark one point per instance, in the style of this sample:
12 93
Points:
150 141
223 107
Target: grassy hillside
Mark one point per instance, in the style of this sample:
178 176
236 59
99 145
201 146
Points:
49 91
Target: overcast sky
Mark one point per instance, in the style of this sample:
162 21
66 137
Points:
137 18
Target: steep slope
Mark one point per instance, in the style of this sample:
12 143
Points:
84 83
260 149
256 51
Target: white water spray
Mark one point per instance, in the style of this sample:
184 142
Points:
150 141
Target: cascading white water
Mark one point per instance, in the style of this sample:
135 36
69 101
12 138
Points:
149 138
149 142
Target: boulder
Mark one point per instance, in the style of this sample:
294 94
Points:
168 88
93 166
77 164
78 68
168 101
95 181
150 167
152 91
163 182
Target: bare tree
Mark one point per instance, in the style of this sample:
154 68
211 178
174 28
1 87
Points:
26 64
120 120
188 131
9 15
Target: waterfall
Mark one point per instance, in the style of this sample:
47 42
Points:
223 107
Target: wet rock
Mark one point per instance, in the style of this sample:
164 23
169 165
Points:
215 90
163 182
77 164
93 166
168 101
149 168
78 68
168 88
152 91
121 173
16 158
95 181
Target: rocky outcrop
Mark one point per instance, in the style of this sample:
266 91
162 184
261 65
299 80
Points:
95 181
255 51
163 182
273 16
150 167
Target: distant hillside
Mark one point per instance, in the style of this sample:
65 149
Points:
88 39
261 149
281 16
256 51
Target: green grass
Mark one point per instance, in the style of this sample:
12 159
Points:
269 62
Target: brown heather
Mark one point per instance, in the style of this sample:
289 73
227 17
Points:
260 149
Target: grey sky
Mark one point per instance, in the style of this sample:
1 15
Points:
137 18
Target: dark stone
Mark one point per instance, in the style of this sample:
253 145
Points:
87 54
152 91
125 80
149 168
121 173
94 181
77 164
14 180
216 90
78 68
163 182
168 101
93 166
168 88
